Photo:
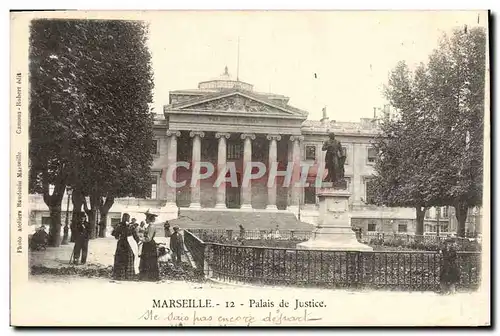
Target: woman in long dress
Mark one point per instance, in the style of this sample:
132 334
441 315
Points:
148 267
123 268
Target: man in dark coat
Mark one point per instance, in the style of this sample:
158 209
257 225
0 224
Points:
334 159
82 236
176 245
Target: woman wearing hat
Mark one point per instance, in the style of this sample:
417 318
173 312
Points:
124 267
148 266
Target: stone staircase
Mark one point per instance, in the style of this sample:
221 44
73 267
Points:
231 219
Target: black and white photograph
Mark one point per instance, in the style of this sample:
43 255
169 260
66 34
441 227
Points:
250 168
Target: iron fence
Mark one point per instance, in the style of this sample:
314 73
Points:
224 235
417 242
414 270
402 270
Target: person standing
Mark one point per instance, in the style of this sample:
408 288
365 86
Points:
166 228
125 256
82 236
450 273
140 233
148 266
176 246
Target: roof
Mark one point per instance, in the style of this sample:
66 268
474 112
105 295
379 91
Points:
363 127
220 94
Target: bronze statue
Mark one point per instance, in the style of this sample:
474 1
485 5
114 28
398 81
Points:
334 160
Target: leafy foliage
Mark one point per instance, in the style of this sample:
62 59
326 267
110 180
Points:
91 84
431 153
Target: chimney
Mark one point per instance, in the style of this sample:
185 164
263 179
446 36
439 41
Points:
325 119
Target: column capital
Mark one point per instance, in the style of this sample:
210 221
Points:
297 138
173 133
276 137
201 134
218 135
248 135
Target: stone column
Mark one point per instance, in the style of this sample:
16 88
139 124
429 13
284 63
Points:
221 168
295 191
273 158
196 158
171 160
246 190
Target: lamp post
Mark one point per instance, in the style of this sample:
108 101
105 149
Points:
69 191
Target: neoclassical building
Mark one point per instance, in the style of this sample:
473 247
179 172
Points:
226 124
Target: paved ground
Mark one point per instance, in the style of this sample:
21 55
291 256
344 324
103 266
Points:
101 252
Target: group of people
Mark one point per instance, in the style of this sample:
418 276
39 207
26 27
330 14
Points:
137 254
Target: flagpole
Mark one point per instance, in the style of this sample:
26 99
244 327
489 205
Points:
238 62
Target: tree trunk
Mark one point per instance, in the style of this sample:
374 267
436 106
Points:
92 214
53 202
103 211
461 214
77 198
55 226
420 220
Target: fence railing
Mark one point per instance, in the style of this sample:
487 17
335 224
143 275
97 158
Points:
218 235
197 249
403 270
417 242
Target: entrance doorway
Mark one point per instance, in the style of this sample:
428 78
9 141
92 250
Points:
233 194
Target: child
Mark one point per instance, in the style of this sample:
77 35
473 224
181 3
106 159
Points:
164 255
176 245
140 233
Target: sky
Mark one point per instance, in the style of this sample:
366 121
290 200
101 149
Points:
351 53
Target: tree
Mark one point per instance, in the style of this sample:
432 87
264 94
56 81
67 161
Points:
457 77
117 125
408 171
431 154
51 104
91 84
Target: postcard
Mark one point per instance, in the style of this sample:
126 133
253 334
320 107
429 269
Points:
250 168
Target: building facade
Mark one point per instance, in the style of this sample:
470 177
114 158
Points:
216 130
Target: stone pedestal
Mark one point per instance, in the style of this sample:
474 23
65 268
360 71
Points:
334 230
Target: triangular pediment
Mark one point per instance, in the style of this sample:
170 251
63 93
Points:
238 102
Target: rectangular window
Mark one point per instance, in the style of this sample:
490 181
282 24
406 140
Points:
371 155
372 227
348 182
233 151
46 220
444 227
402 228
310 195
444 212
369 192
310 152
154 148
115 222
153 192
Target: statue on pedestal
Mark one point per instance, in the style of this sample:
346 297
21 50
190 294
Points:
334 162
